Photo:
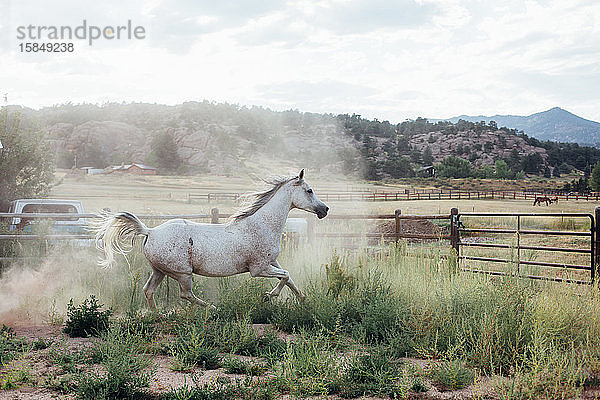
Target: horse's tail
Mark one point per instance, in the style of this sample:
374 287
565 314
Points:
110 228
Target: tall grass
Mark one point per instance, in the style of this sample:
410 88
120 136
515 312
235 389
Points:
420 307
386 302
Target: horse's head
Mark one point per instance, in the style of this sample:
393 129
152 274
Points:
305 199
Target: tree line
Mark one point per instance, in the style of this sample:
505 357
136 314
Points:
388 152
380 149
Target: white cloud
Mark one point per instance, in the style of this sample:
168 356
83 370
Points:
386 59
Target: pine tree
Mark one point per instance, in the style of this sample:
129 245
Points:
595 180
163 153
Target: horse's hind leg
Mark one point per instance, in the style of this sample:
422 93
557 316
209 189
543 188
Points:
150 286
185 286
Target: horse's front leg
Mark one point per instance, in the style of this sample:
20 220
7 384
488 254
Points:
274 270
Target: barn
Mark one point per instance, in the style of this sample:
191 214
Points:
137 169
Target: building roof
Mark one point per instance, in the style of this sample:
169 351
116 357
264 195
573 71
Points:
125 167
425 168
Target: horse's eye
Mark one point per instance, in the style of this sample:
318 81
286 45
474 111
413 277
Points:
309 191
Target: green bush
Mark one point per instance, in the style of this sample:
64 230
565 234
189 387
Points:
194 347
126 373
244 299
10 345
237 366
310 366
375 374
451 375
86 319
247 389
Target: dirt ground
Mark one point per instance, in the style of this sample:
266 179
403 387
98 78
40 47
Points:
407 226
164 378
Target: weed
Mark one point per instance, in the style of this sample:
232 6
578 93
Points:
237 337
41 343
237 366
10 345
241 300
86 319
270 347
68 360
12 378
193 347
451 375
309 366
64 383
339 280
375 374
246 389
54 318
125 372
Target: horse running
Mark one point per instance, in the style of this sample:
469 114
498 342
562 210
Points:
249 242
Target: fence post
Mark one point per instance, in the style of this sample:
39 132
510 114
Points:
214 216
454 238
596 245
397 219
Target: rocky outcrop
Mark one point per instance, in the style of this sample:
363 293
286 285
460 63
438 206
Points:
483 148
105 136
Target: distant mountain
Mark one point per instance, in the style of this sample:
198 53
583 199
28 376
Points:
555 124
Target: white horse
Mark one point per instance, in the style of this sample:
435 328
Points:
249 242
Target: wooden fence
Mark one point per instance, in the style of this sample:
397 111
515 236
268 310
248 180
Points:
408 195
456 236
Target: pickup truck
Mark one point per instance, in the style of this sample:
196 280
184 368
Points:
64 226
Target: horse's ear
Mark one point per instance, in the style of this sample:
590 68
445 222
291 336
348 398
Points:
301 175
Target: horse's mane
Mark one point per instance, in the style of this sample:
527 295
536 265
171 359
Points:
255 200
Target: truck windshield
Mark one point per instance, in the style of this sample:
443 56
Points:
52 208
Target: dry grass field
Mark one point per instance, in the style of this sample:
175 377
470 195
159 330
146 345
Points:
169 195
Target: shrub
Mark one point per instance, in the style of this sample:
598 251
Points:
237 337
86 319
126 372
451 375
454 167
236 366
244 299
247 389
193 347
375 374
310 366
10 345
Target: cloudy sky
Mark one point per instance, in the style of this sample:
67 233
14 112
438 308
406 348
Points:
388 59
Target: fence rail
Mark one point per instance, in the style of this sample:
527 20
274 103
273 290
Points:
411 194
592 250
456 236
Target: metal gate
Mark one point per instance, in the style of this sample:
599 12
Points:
525 239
